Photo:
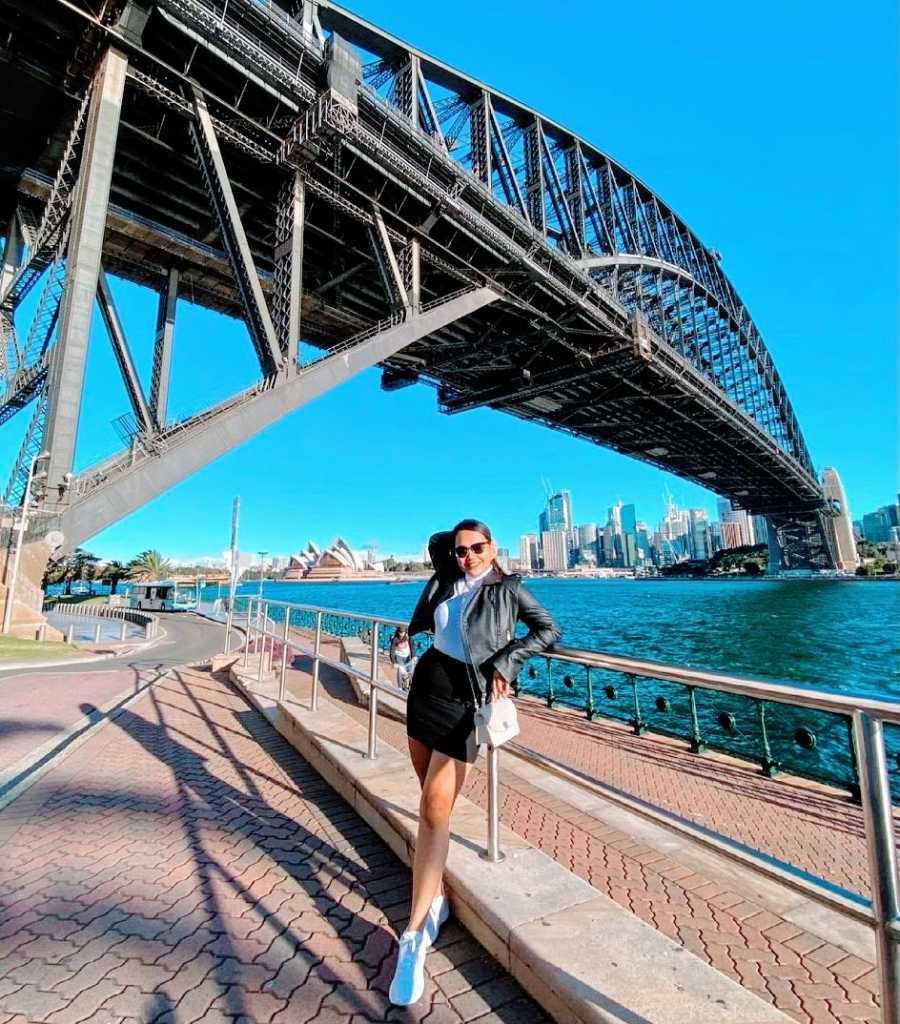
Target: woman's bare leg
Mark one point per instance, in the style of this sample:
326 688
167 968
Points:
420 755
443 781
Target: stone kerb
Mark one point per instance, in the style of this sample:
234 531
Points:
583 957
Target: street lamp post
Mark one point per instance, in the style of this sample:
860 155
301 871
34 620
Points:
22 526
262 557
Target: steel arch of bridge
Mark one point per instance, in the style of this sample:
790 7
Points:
614 322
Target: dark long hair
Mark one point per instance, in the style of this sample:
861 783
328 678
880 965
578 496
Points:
440 549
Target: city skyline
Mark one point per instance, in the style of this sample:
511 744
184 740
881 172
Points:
879 519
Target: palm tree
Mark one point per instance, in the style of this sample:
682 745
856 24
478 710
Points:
113 571
148 565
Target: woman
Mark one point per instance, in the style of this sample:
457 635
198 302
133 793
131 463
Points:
472 607
402 655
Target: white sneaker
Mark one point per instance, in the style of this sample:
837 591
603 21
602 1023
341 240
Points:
437 915
409 977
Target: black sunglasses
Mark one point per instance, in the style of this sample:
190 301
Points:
461 550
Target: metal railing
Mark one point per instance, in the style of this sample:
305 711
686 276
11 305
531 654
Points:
270 621
85 610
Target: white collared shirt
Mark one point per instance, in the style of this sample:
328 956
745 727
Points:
448 637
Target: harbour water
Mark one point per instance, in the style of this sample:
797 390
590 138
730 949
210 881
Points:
832 635
836 635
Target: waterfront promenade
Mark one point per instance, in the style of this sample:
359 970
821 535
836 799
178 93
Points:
185 864
810 963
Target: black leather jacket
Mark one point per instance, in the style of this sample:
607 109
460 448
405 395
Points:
489 626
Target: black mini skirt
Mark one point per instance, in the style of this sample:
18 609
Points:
440 710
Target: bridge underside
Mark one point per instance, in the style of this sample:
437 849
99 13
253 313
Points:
385 227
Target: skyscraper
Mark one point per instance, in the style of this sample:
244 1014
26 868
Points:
839 525
699 537
555 551
587 535
528 552
557 514
876 527
760 529
628 519
737 529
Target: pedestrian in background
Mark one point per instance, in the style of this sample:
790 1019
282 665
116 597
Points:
403 655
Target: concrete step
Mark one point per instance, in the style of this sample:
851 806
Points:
582 956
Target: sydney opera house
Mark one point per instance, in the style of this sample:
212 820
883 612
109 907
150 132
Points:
339 562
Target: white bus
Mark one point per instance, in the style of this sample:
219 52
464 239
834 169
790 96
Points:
161 596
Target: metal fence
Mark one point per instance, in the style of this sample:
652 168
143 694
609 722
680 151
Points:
694 697
83 610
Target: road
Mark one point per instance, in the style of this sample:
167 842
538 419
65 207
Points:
45 710
189 639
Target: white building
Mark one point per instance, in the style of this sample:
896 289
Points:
529 556
555 550
737 525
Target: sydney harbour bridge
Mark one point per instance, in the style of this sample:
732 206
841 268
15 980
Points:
355 202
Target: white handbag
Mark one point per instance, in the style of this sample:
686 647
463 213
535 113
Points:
496 722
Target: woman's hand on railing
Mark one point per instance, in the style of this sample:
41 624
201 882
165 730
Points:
499 687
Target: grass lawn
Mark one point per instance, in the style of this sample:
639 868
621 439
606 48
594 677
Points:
14 649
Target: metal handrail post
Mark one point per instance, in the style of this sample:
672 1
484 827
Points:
868 736
373 695
262 646
284 653
229 620
314 699
247 635
493 853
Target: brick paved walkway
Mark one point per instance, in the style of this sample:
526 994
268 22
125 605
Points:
186 865
801 973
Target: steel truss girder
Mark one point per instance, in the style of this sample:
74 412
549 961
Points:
554 380
49 236
22 389
732 358
13 250
105 494
386 259
162 349
31 446
288 292
122 352
256 312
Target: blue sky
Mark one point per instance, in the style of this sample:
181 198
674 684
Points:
770 127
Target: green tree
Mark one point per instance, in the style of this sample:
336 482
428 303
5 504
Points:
54 573
81 567
113 571
148 565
